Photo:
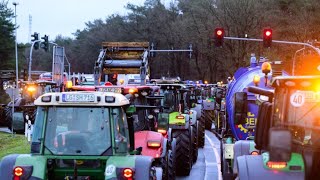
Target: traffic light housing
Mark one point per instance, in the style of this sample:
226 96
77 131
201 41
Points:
218 37
267 38
35 38
45 44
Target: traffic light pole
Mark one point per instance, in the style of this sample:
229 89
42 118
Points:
276 41
30 58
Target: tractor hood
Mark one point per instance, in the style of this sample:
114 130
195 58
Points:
152 143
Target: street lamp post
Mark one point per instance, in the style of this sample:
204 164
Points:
16 50
16 45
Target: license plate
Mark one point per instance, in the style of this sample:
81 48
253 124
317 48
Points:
78 97
111 89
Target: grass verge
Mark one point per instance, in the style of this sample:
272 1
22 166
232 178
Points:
13 145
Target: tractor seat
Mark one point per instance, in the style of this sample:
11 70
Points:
72 143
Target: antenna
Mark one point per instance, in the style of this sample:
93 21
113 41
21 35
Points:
30 27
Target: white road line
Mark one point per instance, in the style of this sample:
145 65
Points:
217 158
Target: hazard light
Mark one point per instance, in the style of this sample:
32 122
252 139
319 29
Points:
154 144
276 165
31 89
254 153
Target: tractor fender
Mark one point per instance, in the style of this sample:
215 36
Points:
164 147
240 148
143 167
251 167
193 117
6 166
169 134
197 109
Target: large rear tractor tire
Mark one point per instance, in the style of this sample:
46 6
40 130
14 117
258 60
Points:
201 130
195 142
208 119
171 166
183 151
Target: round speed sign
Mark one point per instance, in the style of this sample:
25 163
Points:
297 99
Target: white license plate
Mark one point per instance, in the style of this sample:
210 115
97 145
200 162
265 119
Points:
110 89
78 97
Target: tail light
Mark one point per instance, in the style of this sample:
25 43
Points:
154 144
127 173
17 172
254 153
276 165
162 131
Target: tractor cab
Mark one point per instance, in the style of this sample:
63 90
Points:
176 116
144 122
287 131
81 135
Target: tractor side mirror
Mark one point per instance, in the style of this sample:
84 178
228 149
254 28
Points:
280 144
240 103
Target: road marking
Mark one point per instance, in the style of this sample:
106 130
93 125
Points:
217 158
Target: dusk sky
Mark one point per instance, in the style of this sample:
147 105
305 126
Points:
64 17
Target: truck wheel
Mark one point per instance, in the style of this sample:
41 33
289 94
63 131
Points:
183 152
208 119
201 129
171 166
195 142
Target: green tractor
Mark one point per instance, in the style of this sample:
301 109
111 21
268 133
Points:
176 116
287 131
23 105
81 135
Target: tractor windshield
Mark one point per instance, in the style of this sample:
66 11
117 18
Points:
78 130
300 111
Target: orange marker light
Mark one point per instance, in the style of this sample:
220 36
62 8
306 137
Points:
154 144
256 79
162 131
179 117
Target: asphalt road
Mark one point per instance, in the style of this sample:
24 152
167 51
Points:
207 166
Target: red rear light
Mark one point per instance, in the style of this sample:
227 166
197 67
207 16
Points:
154 144
162 131
128 173
276 165
254 153
17 172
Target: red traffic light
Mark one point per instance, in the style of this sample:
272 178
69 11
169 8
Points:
218 37
268 33
267 37
219 32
